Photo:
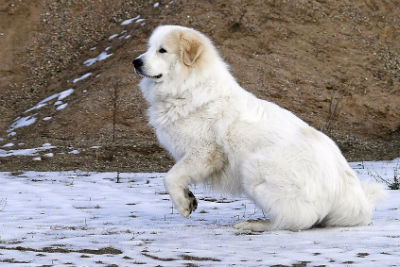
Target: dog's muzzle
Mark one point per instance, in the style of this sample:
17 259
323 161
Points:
138 64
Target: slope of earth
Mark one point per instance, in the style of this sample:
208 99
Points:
67 82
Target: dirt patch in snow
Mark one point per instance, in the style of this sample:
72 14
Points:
101 251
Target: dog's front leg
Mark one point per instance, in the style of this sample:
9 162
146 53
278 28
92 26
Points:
191 169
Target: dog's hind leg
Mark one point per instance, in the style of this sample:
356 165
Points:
282 195
193 168
254 225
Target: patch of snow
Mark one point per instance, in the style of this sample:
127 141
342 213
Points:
49 155
44 101
25 152
57 103
12 134
8 145
93 48
65 94
95 147
156 4
59 96
376 171
113 36
37 159
74 152
78 211
107 48
102 56
128 36
139 20
84 76
129 21
47 118
38 105
61 107
22 122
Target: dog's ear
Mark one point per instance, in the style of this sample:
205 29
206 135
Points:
191 50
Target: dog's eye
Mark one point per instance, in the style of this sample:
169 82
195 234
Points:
162 50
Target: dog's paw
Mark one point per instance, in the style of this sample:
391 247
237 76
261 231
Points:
192 201
244 225
254 225
187 204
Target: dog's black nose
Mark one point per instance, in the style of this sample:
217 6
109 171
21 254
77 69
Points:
137 63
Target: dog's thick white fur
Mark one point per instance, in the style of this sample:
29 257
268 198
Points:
223 136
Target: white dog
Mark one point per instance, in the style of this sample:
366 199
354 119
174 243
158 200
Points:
224 136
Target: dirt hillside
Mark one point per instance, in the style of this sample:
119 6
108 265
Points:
335 64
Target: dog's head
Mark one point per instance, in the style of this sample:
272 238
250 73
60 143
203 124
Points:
172 51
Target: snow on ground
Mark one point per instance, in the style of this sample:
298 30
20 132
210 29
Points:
8 145
90 219
129 21
113 36
25 151
22 122
102 56
59 96
61 106
37 152
84 76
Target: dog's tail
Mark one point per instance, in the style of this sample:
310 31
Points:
374 192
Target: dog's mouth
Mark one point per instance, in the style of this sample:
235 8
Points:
140 73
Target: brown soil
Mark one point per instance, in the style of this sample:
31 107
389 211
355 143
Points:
336 64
